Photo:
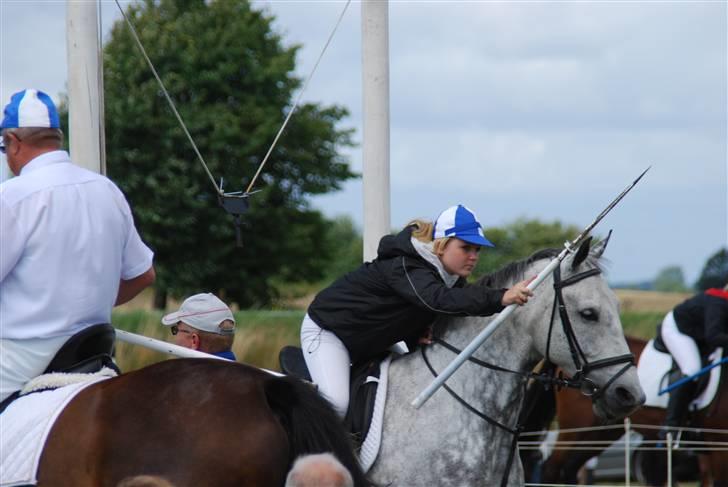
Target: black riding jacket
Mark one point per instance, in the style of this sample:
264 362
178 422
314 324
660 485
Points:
704 317
394 298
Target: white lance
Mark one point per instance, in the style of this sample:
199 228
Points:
490 329
169 348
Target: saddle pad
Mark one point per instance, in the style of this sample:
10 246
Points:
24 428
651 369
370 445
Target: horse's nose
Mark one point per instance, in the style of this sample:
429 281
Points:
627 400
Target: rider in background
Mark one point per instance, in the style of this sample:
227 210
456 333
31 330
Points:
70 251
697 324
417 275
204 323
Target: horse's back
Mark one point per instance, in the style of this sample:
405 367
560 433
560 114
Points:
193 422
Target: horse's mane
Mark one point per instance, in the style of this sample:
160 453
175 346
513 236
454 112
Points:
514 271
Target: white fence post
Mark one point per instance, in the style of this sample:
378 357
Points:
669 459
627 451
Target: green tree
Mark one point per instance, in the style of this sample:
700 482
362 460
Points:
670 279
233 82
520 239
715 271
347 247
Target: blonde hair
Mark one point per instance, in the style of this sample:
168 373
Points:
424 230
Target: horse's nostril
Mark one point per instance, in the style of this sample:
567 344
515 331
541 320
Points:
625 397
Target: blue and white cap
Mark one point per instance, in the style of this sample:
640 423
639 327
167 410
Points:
460 222
30 108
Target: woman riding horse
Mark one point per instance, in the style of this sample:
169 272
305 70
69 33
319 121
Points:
417 276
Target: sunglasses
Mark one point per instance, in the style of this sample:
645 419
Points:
2 147
176 329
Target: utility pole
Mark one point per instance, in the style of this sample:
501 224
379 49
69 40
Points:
375 84
85 86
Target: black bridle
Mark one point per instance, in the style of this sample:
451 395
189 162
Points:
579 381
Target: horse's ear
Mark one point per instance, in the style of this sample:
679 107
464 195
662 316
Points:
600 247
581 253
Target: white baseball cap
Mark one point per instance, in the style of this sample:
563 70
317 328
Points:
204 312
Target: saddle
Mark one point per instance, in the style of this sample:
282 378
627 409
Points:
88 351
362 388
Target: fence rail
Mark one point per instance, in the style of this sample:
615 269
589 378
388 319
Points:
627 444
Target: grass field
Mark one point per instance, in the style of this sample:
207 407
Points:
262 333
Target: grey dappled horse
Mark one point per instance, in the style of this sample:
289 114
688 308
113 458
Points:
445 444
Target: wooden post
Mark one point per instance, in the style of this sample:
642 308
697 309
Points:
85 91
375 85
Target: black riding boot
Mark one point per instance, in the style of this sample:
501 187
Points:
677 407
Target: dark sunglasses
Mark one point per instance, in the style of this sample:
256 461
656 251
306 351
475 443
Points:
2 147
176 329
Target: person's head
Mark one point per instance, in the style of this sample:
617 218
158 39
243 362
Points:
204 323
319 470
145 481
29 128
457 237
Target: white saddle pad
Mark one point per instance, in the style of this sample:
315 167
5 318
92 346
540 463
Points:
370 445
651 370
24 428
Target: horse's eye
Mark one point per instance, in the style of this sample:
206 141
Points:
589 314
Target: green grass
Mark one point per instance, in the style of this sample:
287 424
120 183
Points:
642 324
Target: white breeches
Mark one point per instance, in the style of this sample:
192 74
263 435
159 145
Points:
328 363
682 347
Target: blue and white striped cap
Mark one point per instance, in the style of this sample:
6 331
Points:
460 222
30 108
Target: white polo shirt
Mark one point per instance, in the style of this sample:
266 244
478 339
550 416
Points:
67 237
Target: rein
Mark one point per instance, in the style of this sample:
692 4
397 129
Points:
548 378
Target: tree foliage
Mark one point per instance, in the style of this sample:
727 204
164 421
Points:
519 240
233 82
670 279
715 271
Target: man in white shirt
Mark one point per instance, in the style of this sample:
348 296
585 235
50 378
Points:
69 251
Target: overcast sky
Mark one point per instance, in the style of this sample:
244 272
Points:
516 109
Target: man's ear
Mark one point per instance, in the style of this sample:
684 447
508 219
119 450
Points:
195 341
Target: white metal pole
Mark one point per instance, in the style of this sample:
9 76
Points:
169 348
627 450
83 47
375 85
669 459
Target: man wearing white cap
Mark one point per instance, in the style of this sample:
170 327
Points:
70 251
204 323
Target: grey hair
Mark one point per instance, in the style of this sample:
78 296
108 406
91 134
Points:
319 470
36 136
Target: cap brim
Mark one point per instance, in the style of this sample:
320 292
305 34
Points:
170 319
476 240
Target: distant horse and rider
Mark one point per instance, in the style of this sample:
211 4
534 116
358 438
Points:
574 412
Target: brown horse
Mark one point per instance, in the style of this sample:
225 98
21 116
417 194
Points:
192 422
575 411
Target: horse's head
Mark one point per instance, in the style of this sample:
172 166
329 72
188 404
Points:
580 331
